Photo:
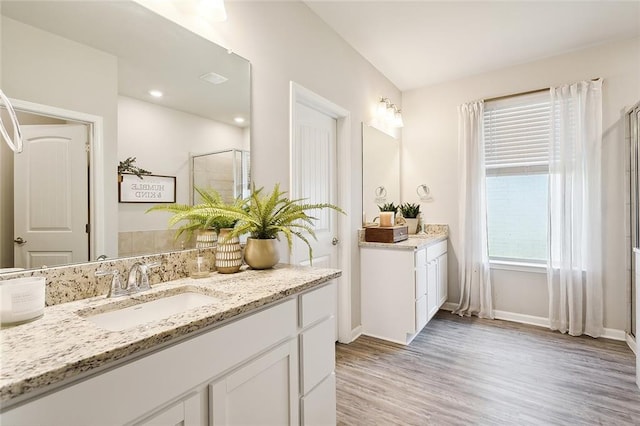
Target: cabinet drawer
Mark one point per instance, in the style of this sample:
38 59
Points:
436 250
317 304
317 354
421 313
319 407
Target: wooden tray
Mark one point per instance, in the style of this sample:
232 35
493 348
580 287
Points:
391 234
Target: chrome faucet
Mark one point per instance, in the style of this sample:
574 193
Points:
137 280
139 276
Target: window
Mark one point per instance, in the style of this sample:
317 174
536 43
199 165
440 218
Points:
516 135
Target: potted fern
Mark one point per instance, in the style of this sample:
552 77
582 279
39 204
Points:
264 217
410 213
196 217
209 227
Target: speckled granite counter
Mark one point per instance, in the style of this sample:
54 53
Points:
413 243
433 234
63 344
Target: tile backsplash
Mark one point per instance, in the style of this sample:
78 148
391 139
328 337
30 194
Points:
137 243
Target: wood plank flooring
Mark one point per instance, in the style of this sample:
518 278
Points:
469 371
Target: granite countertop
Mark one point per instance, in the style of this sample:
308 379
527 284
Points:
63 344
414 242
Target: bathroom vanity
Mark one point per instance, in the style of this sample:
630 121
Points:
261 350
403 285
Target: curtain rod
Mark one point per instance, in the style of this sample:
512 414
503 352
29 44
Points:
513 95
530 92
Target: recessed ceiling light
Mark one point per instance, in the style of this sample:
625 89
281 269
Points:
213 78
155 93
239 120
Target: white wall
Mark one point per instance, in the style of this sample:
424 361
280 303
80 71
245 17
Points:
161 139
285 41
43 68
430 155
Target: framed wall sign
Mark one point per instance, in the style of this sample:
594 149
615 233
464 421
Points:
150 189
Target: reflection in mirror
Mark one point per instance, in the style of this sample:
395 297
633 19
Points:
227 172
89 66
380 171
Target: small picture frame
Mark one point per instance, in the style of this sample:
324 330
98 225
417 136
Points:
149 189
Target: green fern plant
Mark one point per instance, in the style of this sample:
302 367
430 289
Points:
266 216
198 217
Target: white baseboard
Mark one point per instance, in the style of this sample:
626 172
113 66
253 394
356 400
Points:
355 333
608 333
448 306
631 342
521 318
614 334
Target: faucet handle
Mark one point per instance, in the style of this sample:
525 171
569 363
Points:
116 286
144 275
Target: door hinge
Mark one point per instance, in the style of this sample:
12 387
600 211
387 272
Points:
87 148
86 228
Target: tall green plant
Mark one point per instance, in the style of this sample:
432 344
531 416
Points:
265 216
197 217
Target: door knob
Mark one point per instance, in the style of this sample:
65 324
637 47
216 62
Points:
335 241
19 240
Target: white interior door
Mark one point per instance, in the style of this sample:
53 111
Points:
51 191
314 178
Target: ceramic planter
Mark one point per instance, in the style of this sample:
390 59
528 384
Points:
228 254
261 254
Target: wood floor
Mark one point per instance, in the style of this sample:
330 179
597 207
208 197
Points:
468 371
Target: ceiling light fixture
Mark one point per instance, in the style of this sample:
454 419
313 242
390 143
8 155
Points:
155 93
213 10
239 120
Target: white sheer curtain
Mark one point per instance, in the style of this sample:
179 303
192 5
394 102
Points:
574 271
475 283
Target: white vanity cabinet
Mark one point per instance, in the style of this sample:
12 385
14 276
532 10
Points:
401 289
274 366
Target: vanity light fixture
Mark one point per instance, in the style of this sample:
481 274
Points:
389 113
213 10
155 93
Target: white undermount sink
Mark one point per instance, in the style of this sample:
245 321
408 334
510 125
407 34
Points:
154 310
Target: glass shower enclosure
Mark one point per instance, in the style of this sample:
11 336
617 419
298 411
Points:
227 171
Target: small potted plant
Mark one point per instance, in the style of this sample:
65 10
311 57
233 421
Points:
388 214
410 214
264 217
210 227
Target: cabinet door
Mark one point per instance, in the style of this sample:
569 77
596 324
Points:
421 273
443 288
422 315
187 412
317 354
319 406
263 391
432 287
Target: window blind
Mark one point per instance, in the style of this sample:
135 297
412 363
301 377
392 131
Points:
516 131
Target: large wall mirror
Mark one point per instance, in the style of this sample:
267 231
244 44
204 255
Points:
380 171
80 75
